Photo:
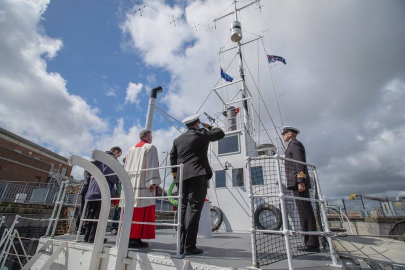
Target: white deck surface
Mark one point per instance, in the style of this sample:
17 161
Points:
224 249
384 250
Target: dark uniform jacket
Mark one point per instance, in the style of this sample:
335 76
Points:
93 191
296 172
191 149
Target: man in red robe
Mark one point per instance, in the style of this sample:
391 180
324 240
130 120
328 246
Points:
143 155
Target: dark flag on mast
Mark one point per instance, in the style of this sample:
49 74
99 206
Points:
225 76
274 58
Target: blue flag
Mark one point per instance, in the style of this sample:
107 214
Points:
274 58
226 76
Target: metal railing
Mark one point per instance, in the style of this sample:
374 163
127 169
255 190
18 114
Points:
28 193
127 199
283 197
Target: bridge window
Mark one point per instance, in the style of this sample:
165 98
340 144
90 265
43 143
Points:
220 179
257 175
237 177
229 145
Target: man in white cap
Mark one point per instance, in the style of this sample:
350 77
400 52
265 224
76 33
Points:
298 181
191 149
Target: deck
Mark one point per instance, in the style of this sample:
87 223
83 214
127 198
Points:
383 250
231 250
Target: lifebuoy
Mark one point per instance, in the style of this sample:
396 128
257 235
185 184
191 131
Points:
267 217
216 218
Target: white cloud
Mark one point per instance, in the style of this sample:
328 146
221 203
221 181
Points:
133 91
347 101
35 103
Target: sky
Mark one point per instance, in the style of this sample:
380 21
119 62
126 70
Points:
76 76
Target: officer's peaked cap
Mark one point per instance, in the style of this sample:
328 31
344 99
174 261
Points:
191 119
289 128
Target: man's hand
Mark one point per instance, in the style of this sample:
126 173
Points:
301 187
205 125
175 180
152 188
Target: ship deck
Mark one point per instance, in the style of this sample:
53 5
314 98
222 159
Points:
223 250
378 249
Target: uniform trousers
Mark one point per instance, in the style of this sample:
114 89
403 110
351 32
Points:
93 212
194 192
307 218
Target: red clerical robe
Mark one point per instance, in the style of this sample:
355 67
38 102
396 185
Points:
143 156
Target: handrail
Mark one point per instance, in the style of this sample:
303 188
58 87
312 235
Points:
125 228
342 215
105 206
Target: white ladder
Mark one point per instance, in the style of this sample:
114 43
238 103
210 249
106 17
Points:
44 251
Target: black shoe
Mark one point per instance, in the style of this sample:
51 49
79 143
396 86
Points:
137 243
309 249
194 251
92 241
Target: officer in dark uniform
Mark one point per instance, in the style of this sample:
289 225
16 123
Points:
298 181
191 149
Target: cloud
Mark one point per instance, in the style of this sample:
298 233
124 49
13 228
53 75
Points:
342 86
35 103
133 90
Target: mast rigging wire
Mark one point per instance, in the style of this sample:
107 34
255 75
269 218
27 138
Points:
268 112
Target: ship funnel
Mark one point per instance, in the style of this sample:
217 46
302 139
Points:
236 31
151 108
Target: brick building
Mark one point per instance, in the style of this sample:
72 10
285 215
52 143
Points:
24 161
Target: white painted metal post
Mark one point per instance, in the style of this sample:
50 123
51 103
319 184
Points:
180 193
334 256
126 210
105 207
54 209
286 232
81 220
6 238
252 209
60 203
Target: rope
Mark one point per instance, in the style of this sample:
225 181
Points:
267 109
43 219
217 82
169 120
274 87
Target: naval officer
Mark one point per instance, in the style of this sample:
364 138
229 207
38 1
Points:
191 149
298 181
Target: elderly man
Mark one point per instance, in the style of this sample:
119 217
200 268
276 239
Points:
143 155
191 149
298 181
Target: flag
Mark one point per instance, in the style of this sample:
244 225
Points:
226 76
274 58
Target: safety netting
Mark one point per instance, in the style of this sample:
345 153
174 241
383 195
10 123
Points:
301 215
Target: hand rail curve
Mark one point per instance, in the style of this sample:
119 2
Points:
105 206
128 206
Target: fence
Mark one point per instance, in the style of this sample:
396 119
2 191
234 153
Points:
284 219
379 207
28 193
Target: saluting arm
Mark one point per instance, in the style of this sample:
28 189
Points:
214 133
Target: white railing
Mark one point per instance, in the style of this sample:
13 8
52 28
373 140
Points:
282 200
125 221
337 210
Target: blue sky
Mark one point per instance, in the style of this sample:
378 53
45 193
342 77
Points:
75 76
94 60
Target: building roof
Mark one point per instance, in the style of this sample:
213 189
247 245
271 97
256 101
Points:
31 144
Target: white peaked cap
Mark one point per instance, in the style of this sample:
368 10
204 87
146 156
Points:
191 119
290 128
